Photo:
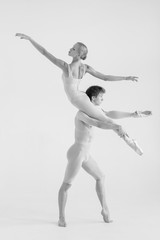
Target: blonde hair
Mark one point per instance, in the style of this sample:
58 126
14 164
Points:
83 50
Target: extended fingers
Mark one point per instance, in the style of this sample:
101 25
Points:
19 34
134 79
22 36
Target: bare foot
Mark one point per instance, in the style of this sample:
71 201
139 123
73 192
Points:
62 223
106 216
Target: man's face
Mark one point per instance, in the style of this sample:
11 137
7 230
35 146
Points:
98 100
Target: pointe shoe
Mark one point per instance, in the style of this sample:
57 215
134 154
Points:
133 144
139 114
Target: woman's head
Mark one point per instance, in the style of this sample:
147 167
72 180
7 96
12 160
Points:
95 94
83 50
78 50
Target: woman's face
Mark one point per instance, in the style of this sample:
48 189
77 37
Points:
74 51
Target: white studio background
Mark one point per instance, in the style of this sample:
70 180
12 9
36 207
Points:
37 120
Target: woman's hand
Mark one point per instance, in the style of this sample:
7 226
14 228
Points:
132 78
23 36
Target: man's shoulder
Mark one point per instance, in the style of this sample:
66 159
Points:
82 118
79 119
78 114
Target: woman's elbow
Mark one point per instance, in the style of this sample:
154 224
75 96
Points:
44 52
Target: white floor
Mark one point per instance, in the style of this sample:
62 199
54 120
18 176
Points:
36 222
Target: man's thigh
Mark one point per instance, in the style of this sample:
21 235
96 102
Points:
91 167
73 168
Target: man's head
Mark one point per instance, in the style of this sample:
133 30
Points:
95 94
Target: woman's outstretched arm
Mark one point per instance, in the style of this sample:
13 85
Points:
104 77
58 62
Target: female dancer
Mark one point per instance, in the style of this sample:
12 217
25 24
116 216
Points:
72 75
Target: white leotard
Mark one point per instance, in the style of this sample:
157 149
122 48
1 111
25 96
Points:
71 86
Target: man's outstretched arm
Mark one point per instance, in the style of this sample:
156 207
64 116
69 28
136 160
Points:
110 125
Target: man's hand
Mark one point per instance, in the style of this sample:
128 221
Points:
120 131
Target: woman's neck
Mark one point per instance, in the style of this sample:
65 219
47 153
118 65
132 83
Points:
76 61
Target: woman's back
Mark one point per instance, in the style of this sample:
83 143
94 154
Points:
71 84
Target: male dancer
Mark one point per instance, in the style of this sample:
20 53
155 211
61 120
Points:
79 153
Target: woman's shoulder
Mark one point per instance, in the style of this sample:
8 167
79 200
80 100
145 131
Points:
83 69
84 66
66 69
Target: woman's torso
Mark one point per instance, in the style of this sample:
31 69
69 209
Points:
71 83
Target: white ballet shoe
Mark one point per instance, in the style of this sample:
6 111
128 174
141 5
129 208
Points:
133 144
139 114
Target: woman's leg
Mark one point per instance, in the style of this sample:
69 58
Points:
91 167
83 103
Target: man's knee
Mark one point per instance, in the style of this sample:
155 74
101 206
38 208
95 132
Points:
100 177
65 186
